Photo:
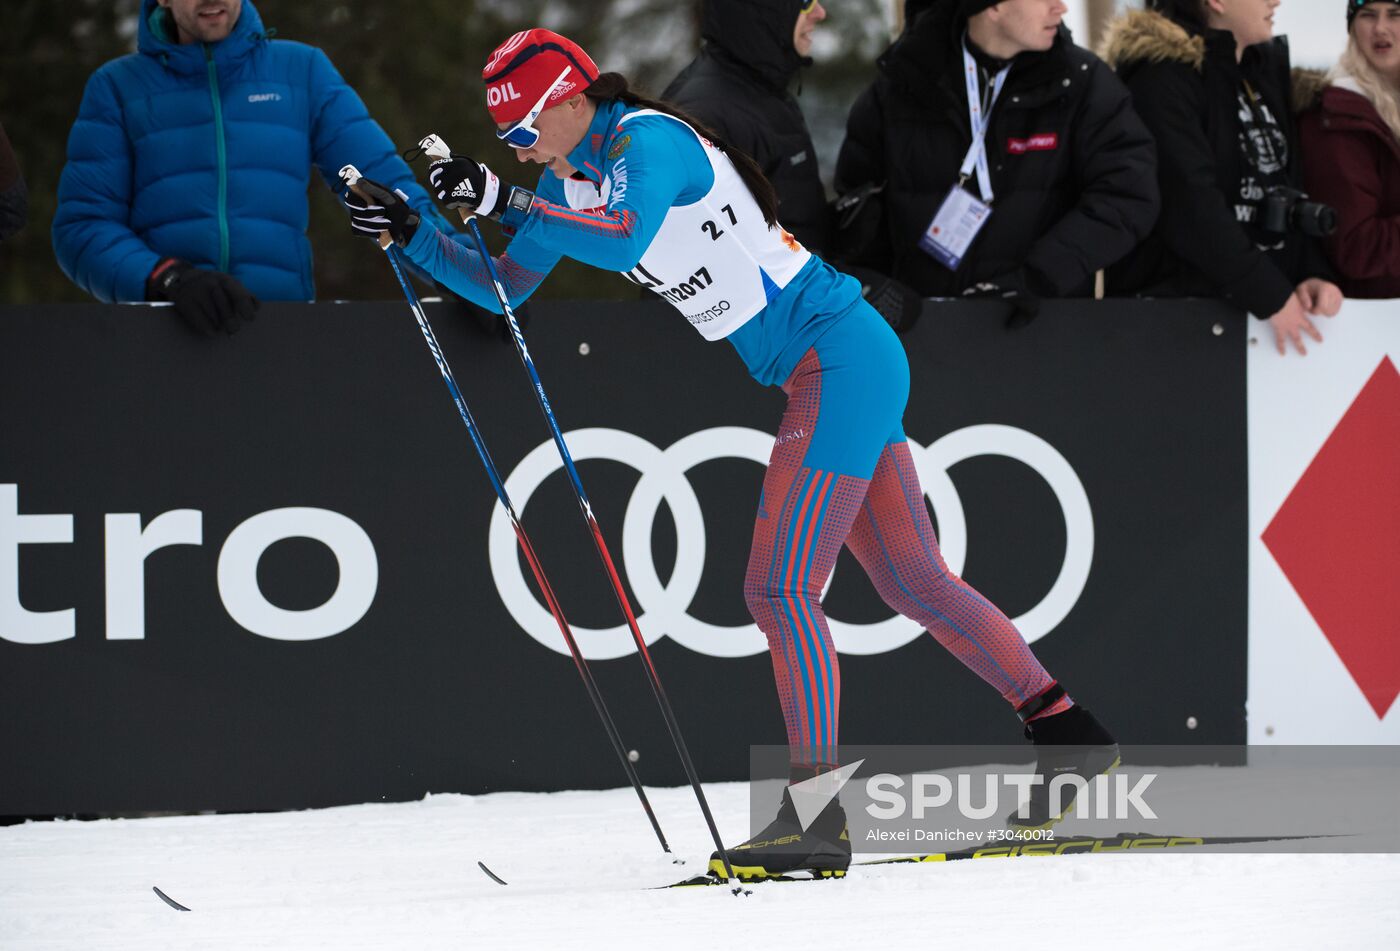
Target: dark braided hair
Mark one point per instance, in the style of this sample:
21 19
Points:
614 86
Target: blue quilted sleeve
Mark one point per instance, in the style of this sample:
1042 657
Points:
343 133
92 240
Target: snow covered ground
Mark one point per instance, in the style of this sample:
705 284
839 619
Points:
405 876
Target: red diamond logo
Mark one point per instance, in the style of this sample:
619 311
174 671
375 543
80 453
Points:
1337 538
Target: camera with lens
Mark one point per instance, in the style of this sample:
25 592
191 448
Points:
1287 209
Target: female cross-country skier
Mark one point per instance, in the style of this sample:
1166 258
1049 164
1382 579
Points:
635 186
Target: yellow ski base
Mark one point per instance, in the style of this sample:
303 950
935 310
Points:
757 873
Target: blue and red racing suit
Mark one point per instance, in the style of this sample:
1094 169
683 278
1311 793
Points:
659 203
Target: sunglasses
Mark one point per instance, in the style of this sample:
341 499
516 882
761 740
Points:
807 6
524 135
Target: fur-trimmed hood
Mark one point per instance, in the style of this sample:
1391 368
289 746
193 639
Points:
1334 92
1146 36
1341 104
1308 85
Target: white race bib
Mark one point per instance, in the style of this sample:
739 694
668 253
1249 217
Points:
715 260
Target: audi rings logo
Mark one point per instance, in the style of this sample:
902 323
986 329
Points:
664 608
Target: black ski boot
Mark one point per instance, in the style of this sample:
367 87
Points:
822 850
1073 742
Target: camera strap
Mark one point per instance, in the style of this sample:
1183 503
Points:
1263 126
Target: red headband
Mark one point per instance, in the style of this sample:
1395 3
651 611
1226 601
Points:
521 69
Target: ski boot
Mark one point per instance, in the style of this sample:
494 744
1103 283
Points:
785 850
1072 742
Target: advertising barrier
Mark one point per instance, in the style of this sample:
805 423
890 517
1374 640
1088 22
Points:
1324 512
267 571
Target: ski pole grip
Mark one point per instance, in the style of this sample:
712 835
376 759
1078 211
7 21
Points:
351 175
435 148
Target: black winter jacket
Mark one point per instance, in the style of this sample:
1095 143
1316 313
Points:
14 198
1073 169
738 86
1184 82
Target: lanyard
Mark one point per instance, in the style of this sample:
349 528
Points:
977 154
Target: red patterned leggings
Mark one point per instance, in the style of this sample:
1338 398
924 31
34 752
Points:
841 473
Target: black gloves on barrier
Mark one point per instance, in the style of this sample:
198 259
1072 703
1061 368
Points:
897 302
209 301
1025 306
374 208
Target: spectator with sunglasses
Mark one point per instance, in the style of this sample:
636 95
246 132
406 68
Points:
636 186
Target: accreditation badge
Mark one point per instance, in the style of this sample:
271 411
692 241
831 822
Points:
954 227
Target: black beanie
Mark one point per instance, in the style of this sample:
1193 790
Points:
971 8
1354 7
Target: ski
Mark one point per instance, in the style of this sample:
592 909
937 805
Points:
168 900
708 878
1083 844
1068 845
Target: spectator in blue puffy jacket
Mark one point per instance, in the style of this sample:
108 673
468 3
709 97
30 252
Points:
189 163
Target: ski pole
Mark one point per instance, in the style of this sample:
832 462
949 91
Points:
352 176
435 147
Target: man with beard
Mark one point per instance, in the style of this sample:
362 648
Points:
189 163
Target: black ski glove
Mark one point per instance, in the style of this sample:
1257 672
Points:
1024 306
208 301
462 182
375 209
895 301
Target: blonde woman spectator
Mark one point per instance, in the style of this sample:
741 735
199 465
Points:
1351 150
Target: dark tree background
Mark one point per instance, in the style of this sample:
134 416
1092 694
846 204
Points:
417 66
